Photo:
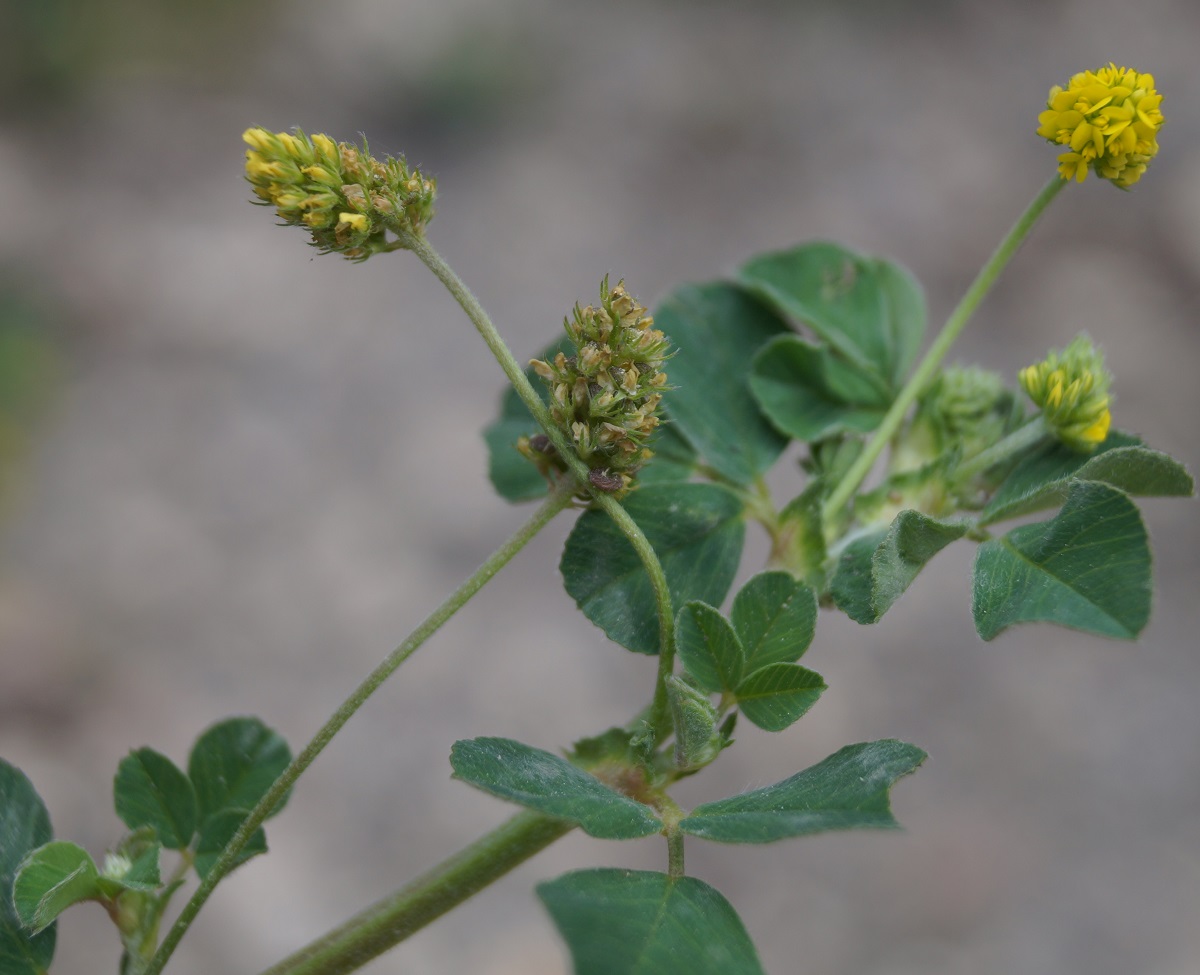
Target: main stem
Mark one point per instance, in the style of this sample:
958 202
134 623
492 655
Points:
559 499
928 366
660 718
389 921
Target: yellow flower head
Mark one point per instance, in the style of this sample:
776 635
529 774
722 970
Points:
1071 388
1110 120
343 196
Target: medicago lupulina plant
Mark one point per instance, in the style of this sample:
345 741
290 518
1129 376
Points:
659 429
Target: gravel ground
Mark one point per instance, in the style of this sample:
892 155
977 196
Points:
264 466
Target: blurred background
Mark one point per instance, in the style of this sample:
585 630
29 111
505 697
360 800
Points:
234 474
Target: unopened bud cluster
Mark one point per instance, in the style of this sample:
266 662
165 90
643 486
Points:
970 408
605 397
343 195
1071 388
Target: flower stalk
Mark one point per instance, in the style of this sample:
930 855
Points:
926 370
558 501
660 720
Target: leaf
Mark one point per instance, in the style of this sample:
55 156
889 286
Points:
24 825
775 616
875 570
852 583
716 329
848 790
708 647
551 785
775 696
871 311
216 832
50 879
150 791
1088 568
808 392
905 316
1041 480
143 873
233 764
635 922
695 529
514 477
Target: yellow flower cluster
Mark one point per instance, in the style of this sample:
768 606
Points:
606 396
344 196
1071 388
1110 119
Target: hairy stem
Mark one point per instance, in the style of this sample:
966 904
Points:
661 713
928 366
389 921
661 722
675 853
1019 440
558 500
508 362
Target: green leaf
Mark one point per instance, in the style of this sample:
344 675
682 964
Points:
143 872
708 647
50 879
871 311
551 785
233 764
24 825
150 791
696 530
216 832
848 790
777 695
1088 568
809 392
514 477
904 316
874 571
1041 480
852 583
775 616
716 329
634 922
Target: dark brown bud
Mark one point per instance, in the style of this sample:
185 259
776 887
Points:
604 480
541 443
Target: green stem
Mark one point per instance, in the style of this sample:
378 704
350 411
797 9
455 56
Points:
508 362
661 711
928 366
661 723
389 921
558 500
1016 442
675 853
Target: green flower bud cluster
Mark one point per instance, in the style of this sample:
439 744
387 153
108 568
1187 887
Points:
605 398
965 410
969 408
1071 389
344 196
699 737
